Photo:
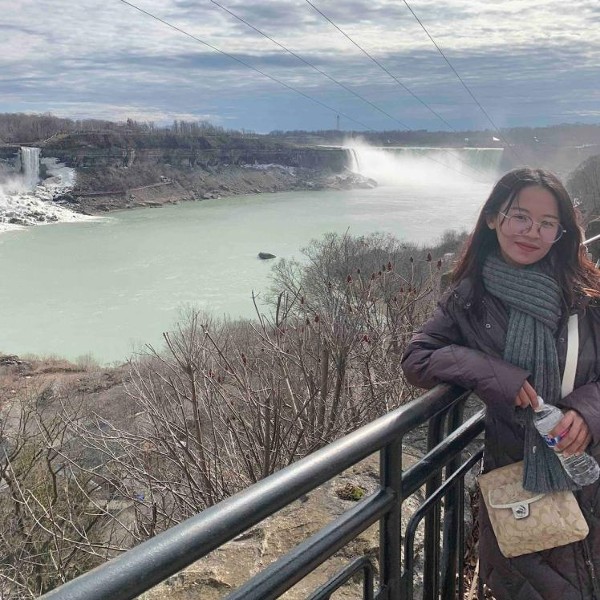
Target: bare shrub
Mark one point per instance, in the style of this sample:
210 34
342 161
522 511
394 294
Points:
225 404
222 405
584 185
52 526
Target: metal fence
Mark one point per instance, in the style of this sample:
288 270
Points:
441 471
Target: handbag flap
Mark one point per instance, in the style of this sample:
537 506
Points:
511 494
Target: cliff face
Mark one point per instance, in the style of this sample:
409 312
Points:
124 170
94 150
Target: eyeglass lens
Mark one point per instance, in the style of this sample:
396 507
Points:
550 231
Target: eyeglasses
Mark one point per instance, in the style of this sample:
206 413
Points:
519 224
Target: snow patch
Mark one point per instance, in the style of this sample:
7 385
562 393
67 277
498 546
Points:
269 166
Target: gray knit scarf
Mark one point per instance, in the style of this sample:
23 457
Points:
534 302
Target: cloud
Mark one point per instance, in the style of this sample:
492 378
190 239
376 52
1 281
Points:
527 61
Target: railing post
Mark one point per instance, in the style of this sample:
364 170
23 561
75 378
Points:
453 535
390 541
431 563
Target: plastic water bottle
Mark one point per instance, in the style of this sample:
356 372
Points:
582 469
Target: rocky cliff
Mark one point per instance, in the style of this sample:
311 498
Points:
96 149
120 170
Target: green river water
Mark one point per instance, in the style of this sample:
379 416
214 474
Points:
107 287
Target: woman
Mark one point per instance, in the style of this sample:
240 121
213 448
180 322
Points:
501 330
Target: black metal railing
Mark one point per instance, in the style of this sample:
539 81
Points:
441 471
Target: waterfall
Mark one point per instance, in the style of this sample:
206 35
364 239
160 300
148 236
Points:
30 166
398 165
354 164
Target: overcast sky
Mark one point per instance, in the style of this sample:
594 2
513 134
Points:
528 62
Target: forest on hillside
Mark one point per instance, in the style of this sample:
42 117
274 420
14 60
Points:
25 128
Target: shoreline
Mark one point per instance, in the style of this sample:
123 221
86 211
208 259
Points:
56 199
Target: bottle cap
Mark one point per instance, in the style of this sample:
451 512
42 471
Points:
540 404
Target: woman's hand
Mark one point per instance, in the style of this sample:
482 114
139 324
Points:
527 396
573 432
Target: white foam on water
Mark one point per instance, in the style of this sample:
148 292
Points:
21 206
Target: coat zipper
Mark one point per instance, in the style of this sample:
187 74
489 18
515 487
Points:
591 570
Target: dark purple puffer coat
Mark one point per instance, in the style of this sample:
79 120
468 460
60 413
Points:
463 344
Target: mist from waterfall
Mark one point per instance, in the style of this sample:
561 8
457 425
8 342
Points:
396 166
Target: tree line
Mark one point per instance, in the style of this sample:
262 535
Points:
21 128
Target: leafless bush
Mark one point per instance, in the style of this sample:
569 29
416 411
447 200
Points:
584 185
52 524
225 404
220 406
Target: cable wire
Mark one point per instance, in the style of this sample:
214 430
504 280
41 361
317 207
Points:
248 65
381 66
488 117
300 58
312 66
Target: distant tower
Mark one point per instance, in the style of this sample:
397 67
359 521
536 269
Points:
337 122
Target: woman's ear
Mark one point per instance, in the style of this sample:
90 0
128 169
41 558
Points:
491 221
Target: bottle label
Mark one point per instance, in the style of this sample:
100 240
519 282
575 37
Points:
551 441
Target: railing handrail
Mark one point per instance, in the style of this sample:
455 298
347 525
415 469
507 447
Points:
592 239
280 575
137 570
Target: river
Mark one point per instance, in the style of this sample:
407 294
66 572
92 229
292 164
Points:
106 287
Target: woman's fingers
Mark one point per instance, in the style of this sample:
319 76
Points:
574 433
527 396
531 394
522 400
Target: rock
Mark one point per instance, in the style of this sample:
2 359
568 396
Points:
9 359
265 255
350 180
68 198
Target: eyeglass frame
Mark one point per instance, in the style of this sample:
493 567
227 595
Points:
561 229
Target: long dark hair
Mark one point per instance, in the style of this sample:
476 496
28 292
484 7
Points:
567 258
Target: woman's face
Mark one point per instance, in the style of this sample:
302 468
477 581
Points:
527 248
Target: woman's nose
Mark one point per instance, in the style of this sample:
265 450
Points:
535 231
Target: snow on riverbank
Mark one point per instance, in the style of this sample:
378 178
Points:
20 207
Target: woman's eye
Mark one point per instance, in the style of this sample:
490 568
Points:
520 218
548 224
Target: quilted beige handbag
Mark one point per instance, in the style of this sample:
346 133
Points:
526 522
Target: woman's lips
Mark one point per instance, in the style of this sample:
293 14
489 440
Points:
526 247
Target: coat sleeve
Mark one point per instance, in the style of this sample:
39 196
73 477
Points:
439 353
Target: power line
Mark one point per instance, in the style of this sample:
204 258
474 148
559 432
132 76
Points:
489 118
312 66
280 82
393 77
300 58
381 66
248 65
